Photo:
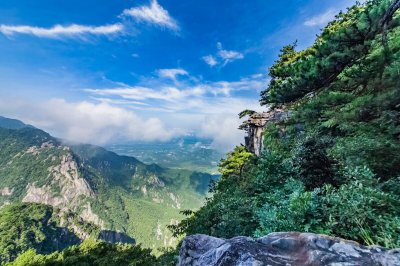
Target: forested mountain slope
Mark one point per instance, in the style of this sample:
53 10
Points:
27 226
333 166
110 191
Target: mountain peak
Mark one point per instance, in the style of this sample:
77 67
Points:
11 123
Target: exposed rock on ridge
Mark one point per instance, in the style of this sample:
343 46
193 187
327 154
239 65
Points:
254 127
65 176
66 188
282 249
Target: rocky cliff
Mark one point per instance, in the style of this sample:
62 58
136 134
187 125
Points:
255 124
282 249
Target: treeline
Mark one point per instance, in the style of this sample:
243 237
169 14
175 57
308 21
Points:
90 252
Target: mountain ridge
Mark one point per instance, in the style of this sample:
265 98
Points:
114 192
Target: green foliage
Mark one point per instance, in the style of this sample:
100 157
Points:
362 213
31 226
245 113
90 252
235 161
341 44
334 166
290 208
315 167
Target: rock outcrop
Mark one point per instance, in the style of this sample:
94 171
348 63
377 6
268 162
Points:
116 237
254 127
282 249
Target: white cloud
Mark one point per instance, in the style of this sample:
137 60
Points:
58 31
151 110
143 93
255 82
225 56
103 122
322 19
171 73
223 130
118 102
86 122
209 109
230 56
153 14
182 95
210 60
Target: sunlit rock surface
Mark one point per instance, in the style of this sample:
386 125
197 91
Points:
282 249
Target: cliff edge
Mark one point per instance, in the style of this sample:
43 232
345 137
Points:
275 249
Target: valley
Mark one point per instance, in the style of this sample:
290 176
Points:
188 152
110 191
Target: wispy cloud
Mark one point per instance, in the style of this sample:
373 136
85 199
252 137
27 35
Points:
222 57
58 31
210 60
230 56
153 14
190 93
117 102
142 93
171 73
321 19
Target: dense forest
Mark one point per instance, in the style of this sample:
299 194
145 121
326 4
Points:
36 234
90 252
333 167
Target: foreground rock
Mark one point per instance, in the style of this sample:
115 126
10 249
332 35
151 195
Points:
282 249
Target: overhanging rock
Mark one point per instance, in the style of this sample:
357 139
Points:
255 125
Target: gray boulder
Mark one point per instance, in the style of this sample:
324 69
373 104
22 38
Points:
282 249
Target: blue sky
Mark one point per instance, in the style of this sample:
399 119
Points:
110 71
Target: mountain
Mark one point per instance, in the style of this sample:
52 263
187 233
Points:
113 192
12 123
46 229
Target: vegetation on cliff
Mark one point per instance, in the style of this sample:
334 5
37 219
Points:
36 226
334 166
37 235
90 252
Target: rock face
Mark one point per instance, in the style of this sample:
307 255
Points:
254 127
282 249
116 237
